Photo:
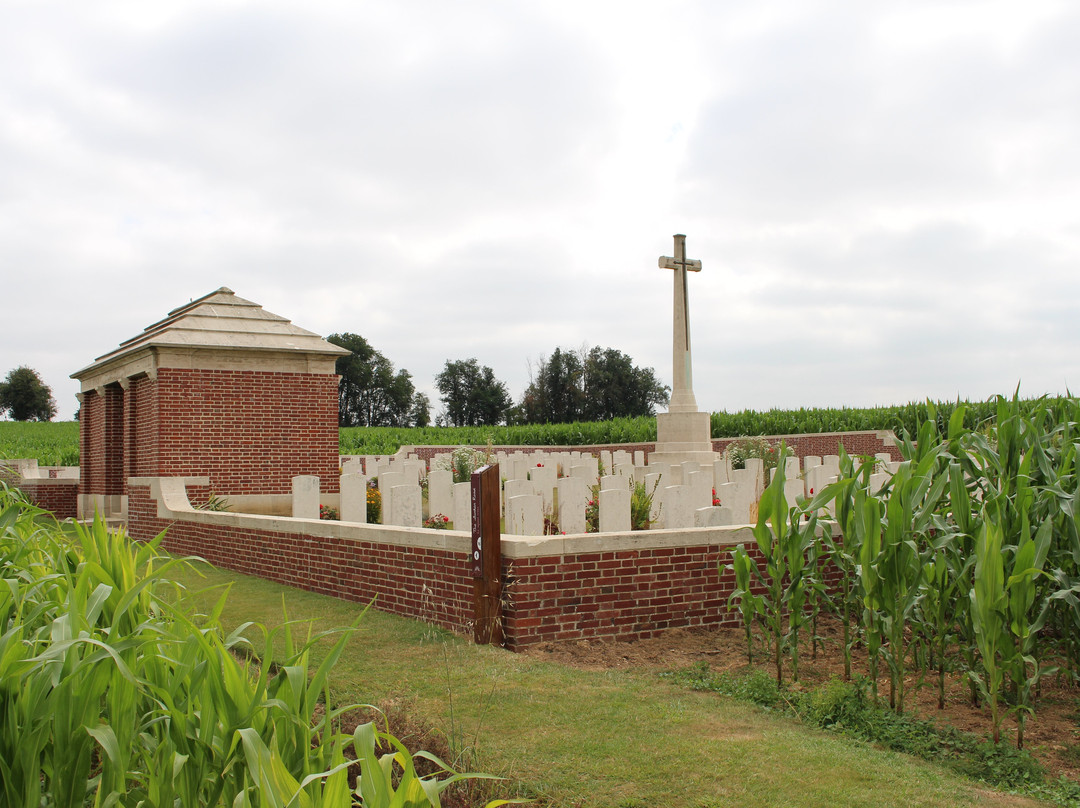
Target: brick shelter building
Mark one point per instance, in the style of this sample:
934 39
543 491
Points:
220 388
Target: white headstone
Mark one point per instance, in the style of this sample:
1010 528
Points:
605 460
584 472
388 481
614 510
676 512
610 482
701 489
407 504
305 496
440 493
793 489
720 472
543 479
519 469
571 514
525 516
877 481
414 470
738 496
514 488
463 506
353 498
757 466
713 517
573 492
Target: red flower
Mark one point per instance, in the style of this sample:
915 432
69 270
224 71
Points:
539 465
446 518
811 491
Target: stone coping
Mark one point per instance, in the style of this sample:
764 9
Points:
68 481
171 496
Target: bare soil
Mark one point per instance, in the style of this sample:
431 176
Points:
1052 735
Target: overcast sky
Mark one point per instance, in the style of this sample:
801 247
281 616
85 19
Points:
885 197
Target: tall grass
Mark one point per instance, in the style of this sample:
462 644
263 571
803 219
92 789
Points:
114 692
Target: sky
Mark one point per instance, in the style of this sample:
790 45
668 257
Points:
885 197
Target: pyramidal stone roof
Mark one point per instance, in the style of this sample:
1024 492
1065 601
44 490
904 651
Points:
219 321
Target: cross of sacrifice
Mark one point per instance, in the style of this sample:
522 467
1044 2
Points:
682 388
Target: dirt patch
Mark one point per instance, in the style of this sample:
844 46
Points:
1052 735
416 735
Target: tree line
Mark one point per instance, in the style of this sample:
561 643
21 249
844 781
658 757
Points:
592 384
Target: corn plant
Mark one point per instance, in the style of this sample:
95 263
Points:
742 597
113 692
848 495
783 539
913 496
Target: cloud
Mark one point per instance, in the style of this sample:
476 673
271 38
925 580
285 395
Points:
884 200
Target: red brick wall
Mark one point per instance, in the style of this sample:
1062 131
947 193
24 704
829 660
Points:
92 444
59 496
249 432
425 583
113 446
618 594
142 396
623 594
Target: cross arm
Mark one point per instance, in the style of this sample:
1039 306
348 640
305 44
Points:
690 264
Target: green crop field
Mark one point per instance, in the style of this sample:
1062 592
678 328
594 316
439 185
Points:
53 443
57 443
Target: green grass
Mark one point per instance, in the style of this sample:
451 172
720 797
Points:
610 738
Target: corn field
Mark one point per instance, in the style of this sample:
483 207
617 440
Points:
57 444
50 443
966 561
113 691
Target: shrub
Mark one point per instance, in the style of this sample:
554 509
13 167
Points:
374 503
437 522
745 448
463 461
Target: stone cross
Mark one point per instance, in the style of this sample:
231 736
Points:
682 392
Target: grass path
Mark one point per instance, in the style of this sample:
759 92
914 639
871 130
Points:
607 738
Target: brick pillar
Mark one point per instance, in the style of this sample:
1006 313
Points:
114 440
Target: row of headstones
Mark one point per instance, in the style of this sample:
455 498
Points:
683 495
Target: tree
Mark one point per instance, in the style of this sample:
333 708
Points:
592 385
26 397
556 395
370 392
471 394
420 415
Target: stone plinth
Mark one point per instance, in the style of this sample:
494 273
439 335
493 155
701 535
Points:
683 436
